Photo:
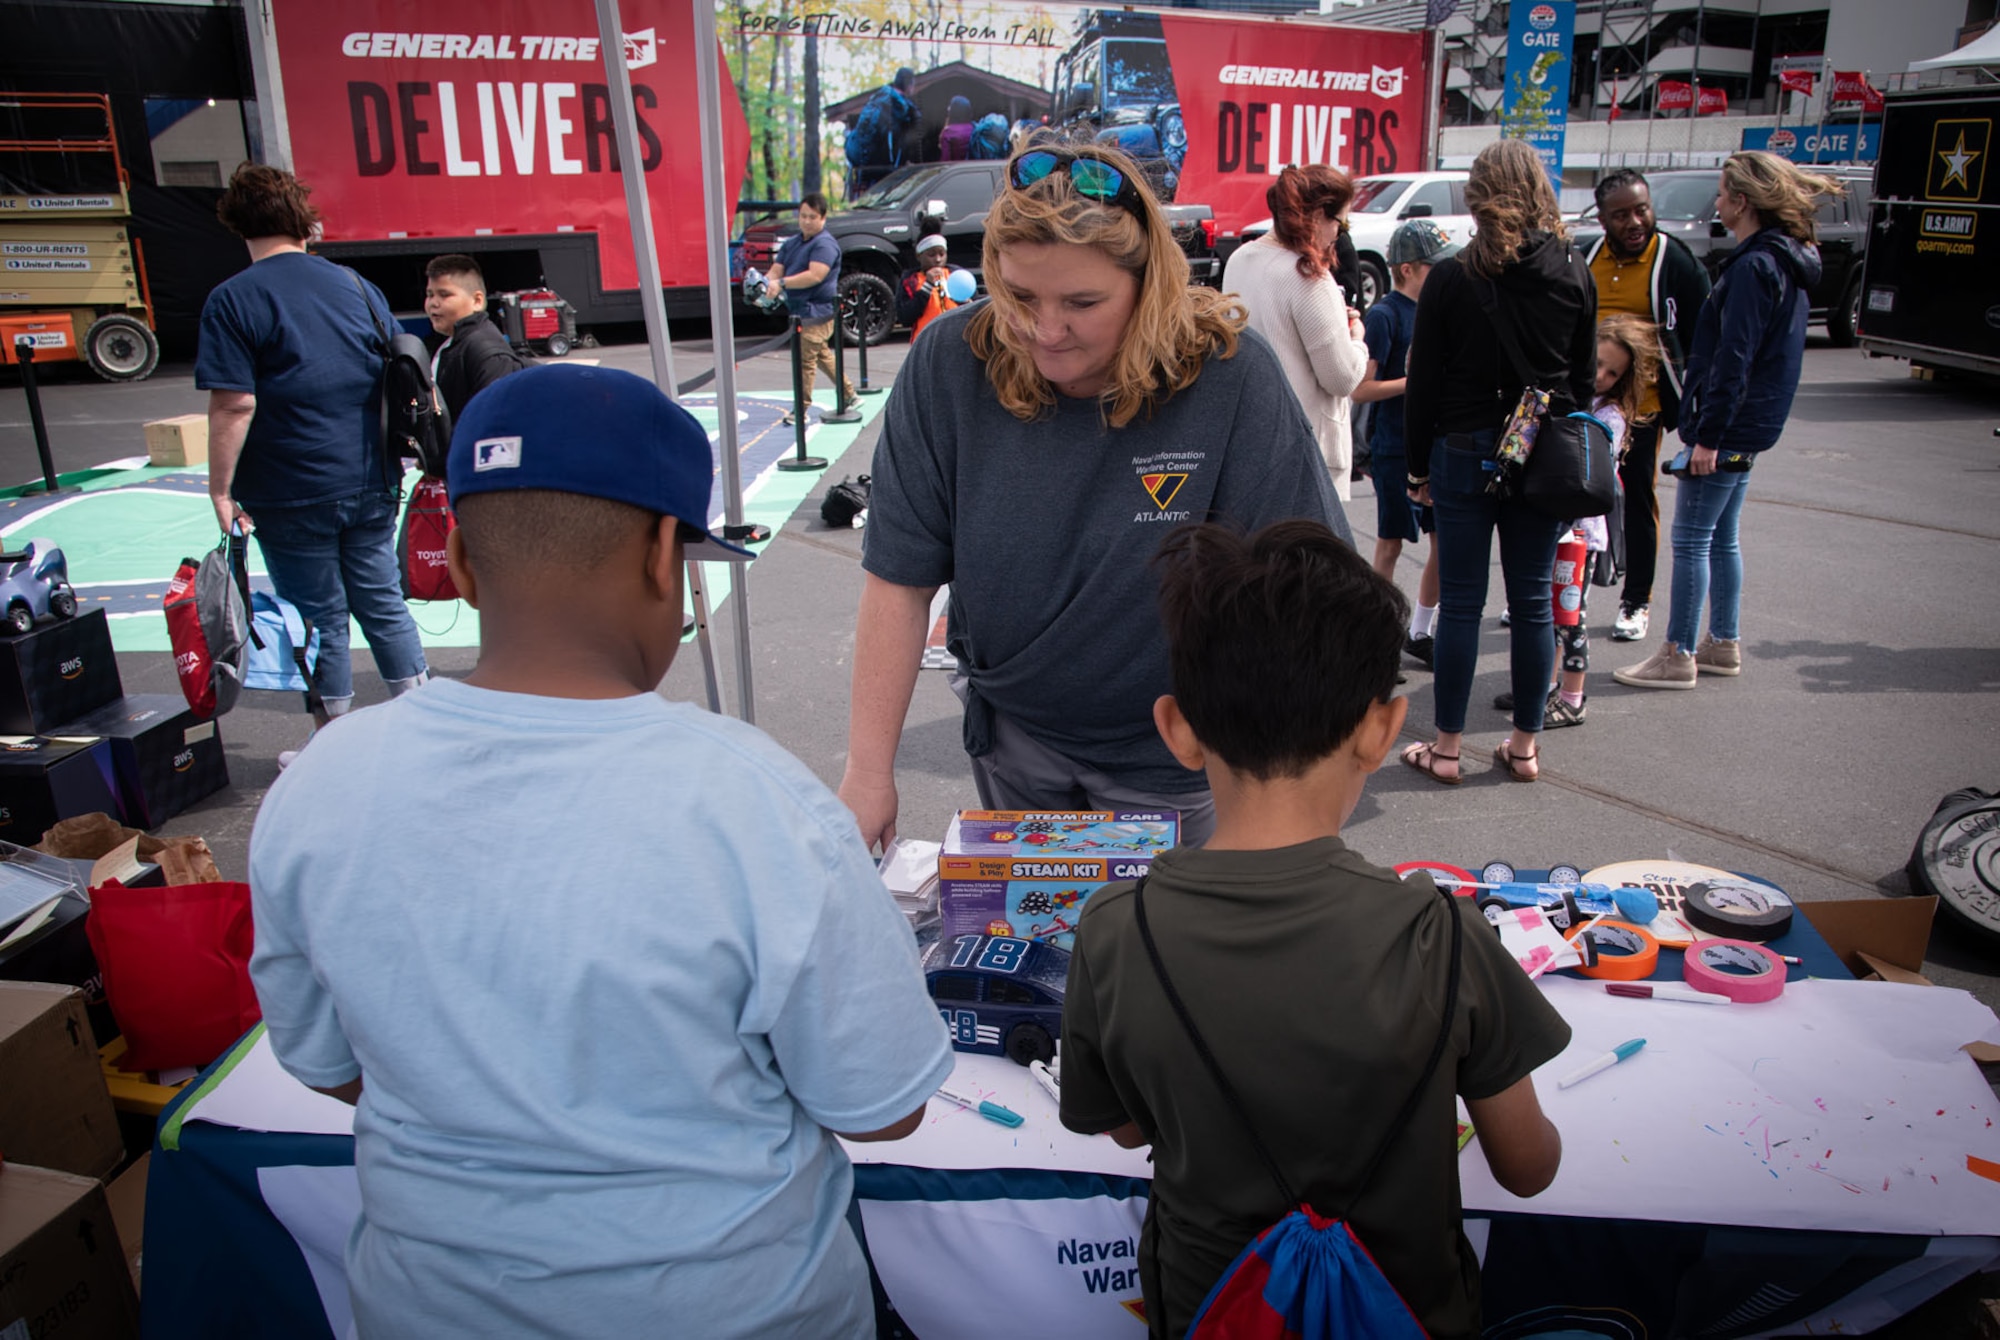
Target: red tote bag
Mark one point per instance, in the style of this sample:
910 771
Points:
176 964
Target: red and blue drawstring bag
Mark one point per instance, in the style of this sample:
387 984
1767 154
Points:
1306 1277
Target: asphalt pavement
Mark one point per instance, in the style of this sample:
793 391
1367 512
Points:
1871 630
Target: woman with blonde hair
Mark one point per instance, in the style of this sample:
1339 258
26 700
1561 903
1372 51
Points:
1749 346
1285 278
1518 295
1036 449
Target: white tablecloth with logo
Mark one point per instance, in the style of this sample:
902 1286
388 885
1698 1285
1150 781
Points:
1775 1200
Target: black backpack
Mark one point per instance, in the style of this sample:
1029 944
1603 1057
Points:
415 423
845 501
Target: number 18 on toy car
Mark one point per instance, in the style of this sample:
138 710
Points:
999 994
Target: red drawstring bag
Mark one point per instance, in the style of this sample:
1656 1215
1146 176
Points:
176 964
420 548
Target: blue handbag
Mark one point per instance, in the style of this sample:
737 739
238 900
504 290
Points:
285 652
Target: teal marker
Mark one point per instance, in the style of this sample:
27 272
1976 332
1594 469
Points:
991 1111
1611 1058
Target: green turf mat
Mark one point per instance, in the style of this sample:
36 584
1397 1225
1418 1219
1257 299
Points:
136 536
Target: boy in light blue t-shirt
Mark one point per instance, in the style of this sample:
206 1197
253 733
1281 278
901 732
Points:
602 973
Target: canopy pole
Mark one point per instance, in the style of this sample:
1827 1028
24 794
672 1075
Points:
638 208
717 208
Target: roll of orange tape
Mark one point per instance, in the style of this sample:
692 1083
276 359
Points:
1632 954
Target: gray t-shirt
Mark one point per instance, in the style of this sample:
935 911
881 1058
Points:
1045 531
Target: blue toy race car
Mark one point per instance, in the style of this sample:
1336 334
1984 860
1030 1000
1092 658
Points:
34 584
999 995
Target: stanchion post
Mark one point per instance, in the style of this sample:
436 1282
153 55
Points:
843 412
24 354
861 356
800 461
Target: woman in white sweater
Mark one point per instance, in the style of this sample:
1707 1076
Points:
1285 279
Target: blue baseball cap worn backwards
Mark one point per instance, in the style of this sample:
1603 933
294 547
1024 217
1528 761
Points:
594 431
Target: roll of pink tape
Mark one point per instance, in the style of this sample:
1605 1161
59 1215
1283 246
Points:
1748 974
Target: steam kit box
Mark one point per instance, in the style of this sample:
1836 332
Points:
1028 872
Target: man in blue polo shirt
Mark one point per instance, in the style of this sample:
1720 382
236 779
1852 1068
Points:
808 269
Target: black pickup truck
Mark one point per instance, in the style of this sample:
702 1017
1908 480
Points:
878 235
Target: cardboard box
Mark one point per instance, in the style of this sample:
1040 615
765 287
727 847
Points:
1029 872
58 952
54 1109
44 780
62 1271
56 672
181 440
165 756
1895 931
127 1197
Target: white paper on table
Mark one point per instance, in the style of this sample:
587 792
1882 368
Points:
953 1138
258 1095
1840 1105
318 1207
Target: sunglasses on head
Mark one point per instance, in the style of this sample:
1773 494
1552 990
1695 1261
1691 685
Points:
1091 178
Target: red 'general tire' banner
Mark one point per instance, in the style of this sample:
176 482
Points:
457 117
1257 97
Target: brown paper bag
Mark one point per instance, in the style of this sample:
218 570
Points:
85 838
186 860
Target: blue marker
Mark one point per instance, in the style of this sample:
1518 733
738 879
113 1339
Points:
990 1111
1611 1058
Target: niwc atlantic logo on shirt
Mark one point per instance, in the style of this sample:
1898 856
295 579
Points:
1162 488
1163 475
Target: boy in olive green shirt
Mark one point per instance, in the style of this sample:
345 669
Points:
1317 979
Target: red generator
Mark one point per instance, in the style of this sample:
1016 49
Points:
538 317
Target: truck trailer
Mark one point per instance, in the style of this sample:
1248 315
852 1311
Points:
1932 284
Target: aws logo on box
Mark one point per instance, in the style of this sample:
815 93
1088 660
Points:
165 758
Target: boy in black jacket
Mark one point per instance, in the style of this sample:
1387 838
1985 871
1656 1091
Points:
475 353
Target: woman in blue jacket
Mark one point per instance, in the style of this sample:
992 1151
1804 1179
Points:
1749 343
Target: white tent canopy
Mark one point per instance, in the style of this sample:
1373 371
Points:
1984 51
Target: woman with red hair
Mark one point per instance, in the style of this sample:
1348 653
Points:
1285 278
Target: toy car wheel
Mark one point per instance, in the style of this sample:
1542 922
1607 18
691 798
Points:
1566 914
62 602
120 349
1496 872
558 345
1493 909
20 619
1565 874
1030 1042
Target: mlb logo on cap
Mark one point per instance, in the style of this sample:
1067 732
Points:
594 431
496 453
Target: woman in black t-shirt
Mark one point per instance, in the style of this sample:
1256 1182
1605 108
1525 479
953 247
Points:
1519 270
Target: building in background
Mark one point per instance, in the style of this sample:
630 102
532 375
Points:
1676 83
